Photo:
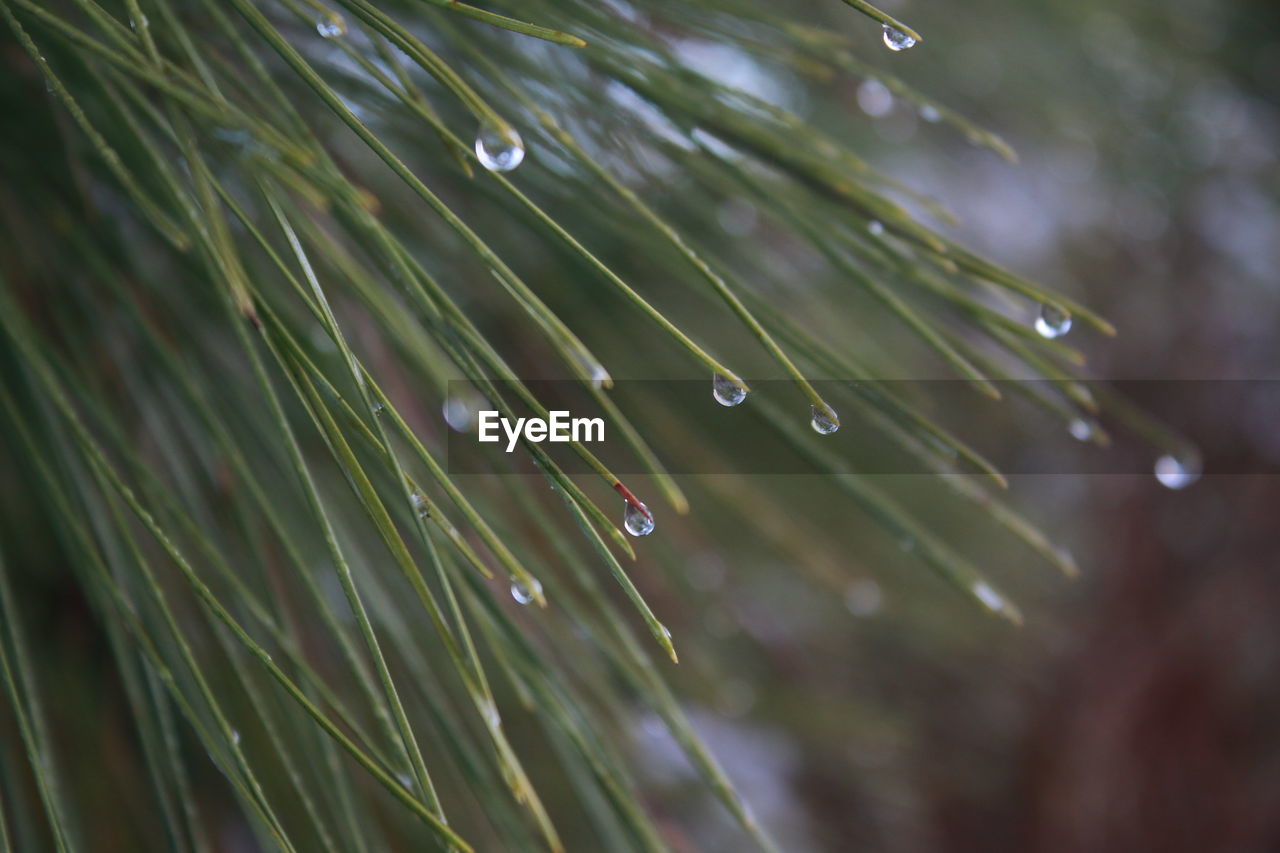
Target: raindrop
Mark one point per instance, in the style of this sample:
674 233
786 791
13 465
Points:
499 147
459 413
137 24
874 98
420 505
599 376
825 420
895 39
235 736
378 407
331 26
1174 473
637 519
1052 322
1080 429
863 597
876 227
988 596
930 113
489 711
522 593
726 391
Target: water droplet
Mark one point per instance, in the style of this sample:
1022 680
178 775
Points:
874 98
139 24
825 420
499 148
331 26
1080 429
1174 473
378 407
726 391
863 597
637 520
404 780
420 505
930 113
988 596
235 736
489 711
1052 322
459 414
522 593
876 227
599 376
895 39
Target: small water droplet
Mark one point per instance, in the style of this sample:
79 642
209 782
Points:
489 711
825 420
525 593
235 736
666 632
726 391
499 148
863 597
331 26
378 407
874 98
1080 429
930 113
1052 322
876 227
420 505
637 519
600 377
404 780
895 39
988 596
1174 473
139 23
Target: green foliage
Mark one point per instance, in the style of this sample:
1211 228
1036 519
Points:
241 265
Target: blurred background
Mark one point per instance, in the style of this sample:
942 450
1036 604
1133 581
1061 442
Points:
1136 708
857 702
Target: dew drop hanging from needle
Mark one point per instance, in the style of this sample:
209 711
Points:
1174 473
331 26
637 519
1052 322
825 420
526 593
499 147
726 391
895 39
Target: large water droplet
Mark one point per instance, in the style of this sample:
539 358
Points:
825 420
1052 322
726 391
460 413
331 26
524 593
895 39
1175 473
499 147
637 520
930 113
876 227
